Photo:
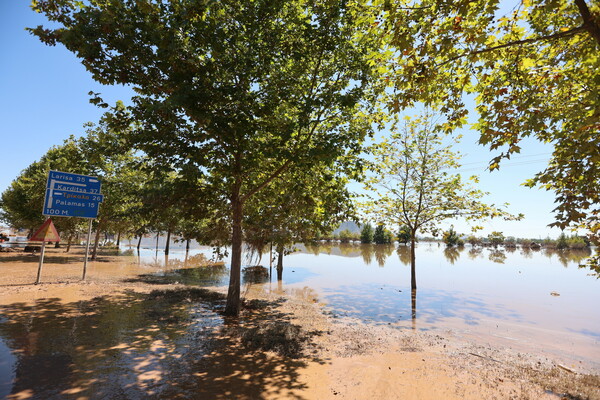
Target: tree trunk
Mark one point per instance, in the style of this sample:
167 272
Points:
69 240
187 245
157 236
118 239
271 261
168 242
414 308
279 262
96 241
413 274
233 294
139 242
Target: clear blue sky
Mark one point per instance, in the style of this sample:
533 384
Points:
43 100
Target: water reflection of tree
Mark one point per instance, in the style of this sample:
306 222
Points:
317 248
510 249
497 256
382 252
349 249
404 254
527 252
565 256
452 254
475 252
366 251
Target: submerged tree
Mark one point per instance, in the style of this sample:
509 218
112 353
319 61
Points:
403 234
239 91
412 183
366 233
295 209
382 235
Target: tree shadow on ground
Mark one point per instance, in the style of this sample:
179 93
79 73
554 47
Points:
48 258
166 344
205 275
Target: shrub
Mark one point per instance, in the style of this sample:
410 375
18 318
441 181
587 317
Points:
404 234
382 235
450 237
366 233
496 238
561 242
346 236
473 240
549 242
576 242
510 242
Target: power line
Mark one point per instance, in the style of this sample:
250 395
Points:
508 164
512 158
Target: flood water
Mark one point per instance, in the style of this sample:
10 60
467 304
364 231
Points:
531 300
537 302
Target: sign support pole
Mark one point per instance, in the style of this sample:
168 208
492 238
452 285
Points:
39 274
87 250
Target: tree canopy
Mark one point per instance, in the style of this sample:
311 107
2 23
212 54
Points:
236 92
413 183
532 68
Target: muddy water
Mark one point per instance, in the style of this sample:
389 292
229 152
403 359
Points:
534 301
108 347
538 301
140 345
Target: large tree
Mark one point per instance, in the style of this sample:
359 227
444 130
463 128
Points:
413 184
533 69
119 170
238 90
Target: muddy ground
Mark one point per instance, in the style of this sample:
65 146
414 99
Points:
128 333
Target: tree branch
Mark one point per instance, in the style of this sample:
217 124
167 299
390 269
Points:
559 35
274 175
588 20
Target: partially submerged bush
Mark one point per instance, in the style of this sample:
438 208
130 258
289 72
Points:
255 274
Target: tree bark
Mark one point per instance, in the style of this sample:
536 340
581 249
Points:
168 242
118 239
414 308
69 240
233 294
96 241
588 20
187 245
413 273
279 262
139 242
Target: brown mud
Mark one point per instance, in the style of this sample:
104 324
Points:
136 330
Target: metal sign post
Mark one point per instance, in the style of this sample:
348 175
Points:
39 275
87 250
46 233
73 195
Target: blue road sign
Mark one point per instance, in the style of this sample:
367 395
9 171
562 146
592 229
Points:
91 184
72 195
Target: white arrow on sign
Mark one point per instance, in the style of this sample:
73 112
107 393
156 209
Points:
53 182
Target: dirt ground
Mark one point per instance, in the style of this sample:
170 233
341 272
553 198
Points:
120 334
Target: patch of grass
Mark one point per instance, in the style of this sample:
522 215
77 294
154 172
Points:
282 338
191 294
